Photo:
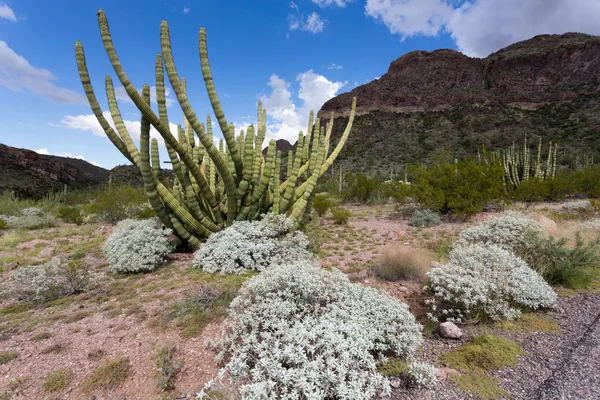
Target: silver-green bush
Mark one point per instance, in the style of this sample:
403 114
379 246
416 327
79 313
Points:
424 218
297 331
485 281
252 245
137 246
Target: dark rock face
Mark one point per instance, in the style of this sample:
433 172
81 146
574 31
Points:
546 87
528 74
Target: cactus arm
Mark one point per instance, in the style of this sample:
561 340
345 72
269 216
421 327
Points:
84 76
147 176
276 175
216 105
118 120
334 154
219 162
156 160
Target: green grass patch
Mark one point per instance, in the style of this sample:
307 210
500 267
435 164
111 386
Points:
41 336
529 322
393 367
486 353
109 375
483 386
6 356
58 380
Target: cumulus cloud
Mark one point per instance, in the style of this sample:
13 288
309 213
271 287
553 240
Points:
121 94
338 3
7 13
68 155
480 27
18 75
313 24
88 122
289 118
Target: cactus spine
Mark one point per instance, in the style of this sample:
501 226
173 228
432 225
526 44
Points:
213 186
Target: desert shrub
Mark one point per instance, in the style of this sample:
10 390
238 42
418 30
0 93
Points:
413 373
512 231
298 331
2 223
252 245
340 215
118 202
137 246
398 191
31 222
360 188
552 258
166 367
321 204
485 281
402 263
70 214
31 212
424 218
461 188
58 380
55 279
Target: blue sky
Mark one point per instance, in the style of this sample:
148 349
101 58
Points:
293 55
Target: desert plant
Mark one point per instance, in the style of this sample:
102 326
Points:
340 215
402 263
424 218
70 214
30 222
214 186
137 246
298 331
31 212
117 202
485 281
55 279
252 245
321 204
166 367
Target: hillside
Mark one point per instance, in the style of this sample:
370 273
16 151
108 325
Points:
547 86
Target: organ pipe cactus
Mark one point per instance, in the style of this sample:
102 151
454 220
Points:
214 186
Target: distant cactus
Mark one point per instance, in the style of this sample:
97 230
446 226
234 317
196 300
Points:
214 186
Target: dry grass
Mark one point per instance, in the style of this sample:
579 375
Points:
397 262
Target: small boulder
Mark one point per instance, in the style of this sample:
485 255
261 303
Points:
449 330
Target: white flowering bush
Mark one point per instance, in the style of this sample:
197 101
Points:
299 332
137 246
485 281
512 231
252 245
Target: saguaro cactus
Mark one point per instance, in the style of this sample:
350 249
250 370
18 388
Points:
214 186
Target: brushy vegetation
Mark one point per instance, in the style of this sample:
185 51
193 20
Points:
424 219
397 262
166 367
321 204
118 202
485 281
138 246
109 375
58 380
300 321
256 245
6 356
340 215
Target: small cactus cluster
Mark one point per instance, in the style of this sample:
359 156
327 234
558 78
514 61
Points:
519 165
214 186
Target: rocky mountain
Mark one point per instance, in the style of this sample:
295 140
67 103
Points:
547 86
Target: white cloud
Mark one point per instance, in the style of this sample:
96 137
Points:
88 122
18 75
480 27
68 155
7 13
186 10
121 94
334 66
313 24
325 3
294 6
289 118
